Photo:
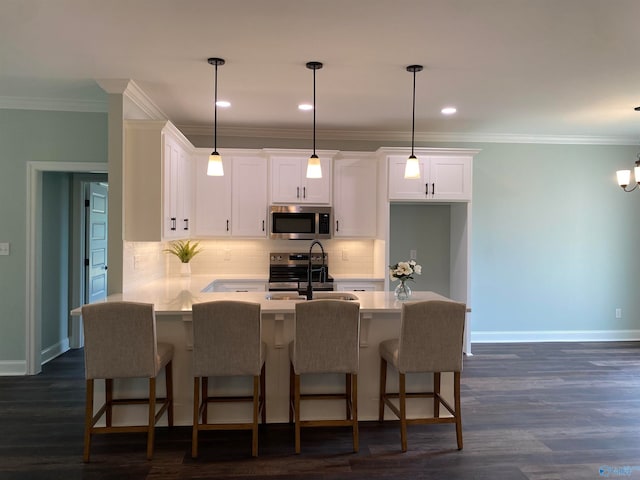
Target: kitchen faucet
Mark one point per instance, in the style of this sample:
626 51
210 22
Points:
310 270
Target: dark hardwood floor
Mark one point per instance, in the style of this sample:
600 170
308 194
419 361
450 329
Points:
530 411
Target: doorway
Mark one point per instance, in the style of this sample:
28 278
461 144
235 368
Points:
34 245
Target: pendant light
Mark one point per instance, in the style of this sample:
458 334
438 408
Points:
412 168
214 167
624 176
314 168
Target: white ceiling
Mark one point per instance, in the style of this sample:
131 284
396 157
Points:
512 67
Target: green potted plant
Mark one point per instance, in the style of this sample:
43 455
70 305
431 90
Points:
185 251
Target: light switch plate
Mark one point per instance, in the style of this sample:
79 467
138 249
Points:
4 248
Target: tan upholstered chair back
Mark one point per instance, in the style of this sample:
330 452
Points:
120 340
326 337
226 338
432 336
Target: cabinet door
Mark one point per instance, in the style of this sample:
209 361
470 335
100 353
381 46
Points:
401 188
213 199
450 178
185 192
285 180
171 165
249 199
289 183
355 197
316 190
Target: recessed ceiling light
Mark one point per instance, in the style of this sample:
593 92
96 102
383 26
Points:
223 103
305 106
448 110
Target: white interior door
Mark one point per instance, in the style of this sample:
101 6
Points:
96 243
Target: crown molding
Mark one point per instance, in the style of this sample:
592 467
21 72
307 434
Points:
390 135
54 104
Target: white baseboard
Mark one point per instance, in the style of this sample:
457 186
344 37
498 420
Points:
12 368
556 336
54 351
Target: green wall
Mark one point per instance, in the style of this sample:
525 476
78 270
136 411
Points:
554 244
42 136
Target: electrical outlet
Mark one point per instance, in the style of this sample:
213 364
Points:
413 254
4 248
345 255
618 313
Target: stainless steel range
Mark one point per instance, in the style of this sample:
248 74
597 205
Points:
288 272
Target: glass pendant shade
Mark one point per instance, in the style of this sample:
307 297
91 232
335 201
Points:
636 172
214 167
314 169
624 177
412 168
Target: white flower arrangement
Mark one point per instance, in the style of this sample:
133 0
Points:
404 271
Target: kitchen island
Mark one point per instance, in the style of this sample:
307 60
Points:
173 298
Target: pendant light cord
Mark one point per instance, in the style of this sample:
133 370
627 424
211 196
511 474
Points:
413 113
215 111
314 112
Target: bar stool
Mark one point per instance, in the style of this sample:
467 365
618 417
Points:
226 342
120 342
431 340
326 341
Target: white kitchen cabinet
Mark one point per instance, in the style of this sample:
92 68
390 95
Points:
236 203
157 182
289 182
354 196
359 285
442 178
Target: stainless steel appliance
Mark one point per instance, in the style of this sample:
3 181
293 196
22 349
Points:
299 222
288 272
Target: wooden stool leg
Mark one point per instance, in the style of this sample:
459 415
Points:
196 417
291 391
383 388
256 405
354 402
347 388
152 417
436 394
263 393
108 394
88 419
205 399
168 372
403 412
296 408
456 396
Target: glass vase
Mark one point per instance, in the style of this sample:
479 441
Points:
402 291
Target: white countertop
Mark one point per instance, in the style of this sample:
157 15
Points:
174 295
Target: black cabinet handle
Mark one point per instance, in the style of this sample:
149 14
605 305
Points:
297 192
304 192
227 225
186 224
426 189
337 225
433 189
263 225
173 223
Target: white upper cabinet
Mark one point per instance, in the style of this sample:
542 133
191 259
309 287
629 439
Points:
289 182
157 181
236 203
354 195
443 177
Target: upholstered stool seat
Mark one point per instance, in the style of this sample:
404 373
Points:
326 341
120 342
431 340
227 342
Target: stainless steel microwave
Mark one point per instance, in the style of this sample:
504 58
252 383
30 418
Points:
299 222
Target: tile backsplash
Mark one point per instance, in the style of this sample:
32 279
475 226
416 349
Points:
145 261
